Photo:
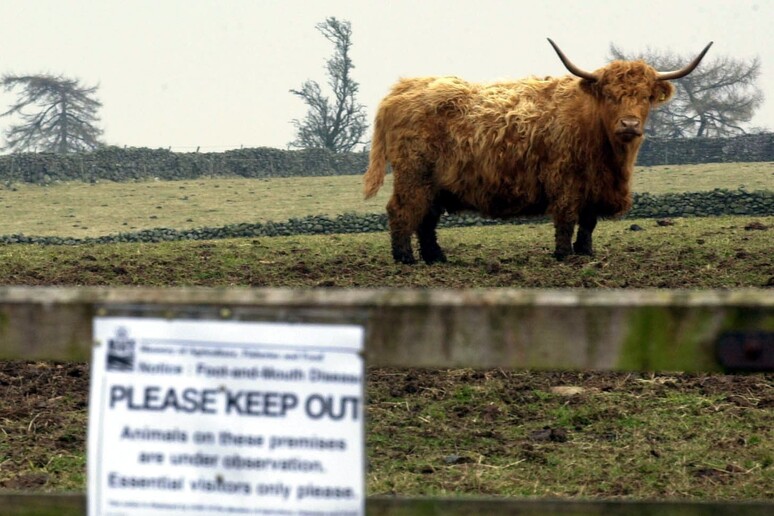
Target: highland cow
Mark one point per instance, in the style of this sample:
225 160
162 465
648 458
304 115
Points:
562 146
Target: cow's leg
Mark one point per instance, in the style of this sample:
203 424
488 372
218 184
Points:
400 231
429 249
410 202
563 231
586 225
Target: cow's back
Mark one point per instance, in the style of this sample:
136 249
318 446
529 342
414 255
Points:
422 110
483 142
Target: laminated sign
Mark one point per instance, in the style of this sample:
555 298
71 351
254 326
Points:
225 417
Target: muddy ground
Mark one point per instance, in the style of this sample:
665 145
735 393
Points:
463 431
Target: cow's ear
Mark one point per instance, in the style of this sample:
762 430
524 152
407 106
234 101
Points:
662 91
590 87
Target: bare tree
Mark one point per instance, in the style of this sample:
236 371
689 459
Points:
716 99
337 125
62 119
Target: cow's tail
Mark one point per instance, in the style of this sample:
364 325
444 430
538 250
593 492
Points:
377 161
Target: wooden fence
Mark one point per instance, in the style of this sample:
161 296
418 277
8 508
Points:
537 329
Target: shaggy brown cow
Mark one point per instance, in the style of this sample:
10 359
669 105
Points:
564 146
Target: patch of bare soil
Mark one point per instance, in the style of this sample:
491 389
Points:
42 419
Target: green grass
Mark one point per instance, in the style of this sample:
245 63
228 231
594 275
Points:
80 209
663 179
621 437
714 252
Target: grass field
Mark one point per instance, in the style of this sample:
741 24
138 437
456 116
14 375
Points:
461 432
80 209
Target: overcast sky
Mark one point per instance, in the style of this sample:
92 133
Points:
216 74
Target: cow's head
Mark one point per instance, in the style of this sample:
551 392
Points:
626 90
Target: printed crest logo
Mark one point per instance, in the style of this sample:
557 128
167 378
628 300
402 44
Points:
120 355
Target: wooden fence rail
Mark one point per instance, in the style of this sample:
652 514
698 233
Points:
538 329
562 329
17 504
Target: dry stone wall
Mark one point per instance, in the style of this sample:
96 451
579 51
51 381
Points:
674 151
134 164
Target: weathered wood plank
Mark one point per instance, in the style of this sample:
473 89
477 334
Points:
561 329
383 506
17 504
28 504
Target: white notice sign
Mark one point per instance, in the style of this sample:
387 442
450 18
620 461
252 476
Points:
225 417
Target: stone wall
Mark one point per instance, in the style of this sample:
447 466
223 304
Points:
133 164
679 151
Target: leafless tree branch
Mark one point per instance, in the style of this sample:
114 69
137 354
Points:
716 99
336 124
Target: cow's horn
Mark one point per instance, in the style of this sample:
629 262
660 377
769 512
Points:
668 76
571 67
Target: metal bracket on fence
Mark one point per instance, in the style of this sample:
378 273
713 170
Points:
746 351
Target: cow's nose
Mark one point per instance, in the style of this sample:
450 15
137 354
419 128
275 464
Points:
630 123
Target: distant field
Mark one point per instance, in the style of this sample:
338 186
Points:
80 209
697 178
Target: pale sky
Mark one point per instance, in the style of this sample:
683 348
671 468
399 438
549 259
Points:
216 74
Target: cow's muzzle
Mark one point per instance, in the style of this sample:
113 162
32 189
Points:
628 128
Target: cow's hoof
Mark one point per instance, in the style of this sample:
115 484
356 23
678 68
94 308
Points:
583 249
406 260
431 258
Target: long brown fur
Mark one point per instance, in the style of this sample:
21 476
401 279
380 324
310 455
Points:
532 146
